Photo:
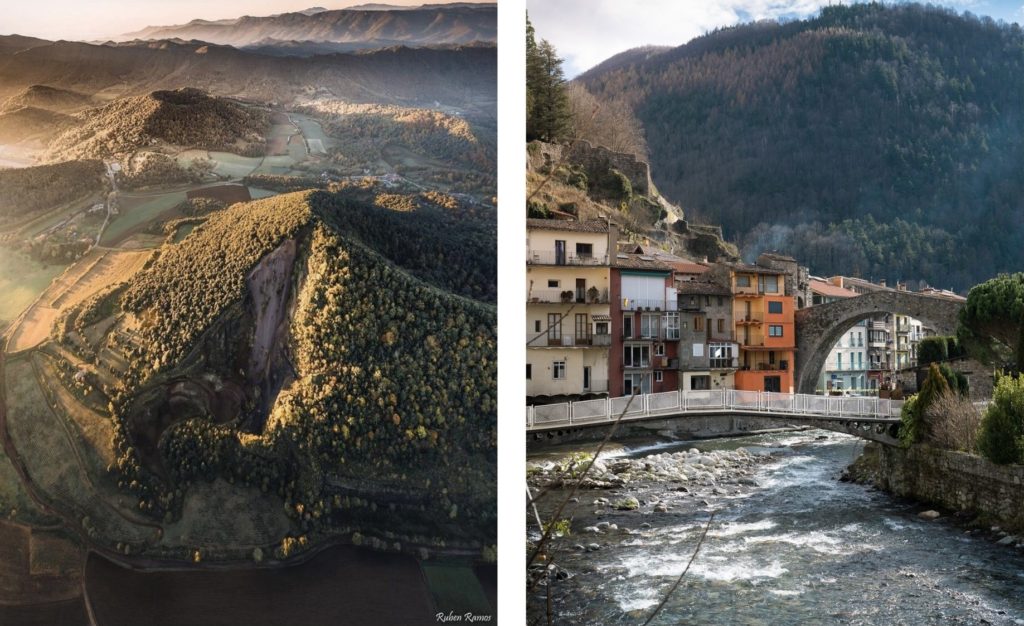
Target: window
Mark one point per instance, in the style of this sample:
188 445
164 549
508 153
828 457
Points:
536 326
636 382
554 328
582 327
699 383
529 372
601 328
649 325
721 301
774 330
839 361
698 323
721 355
658 377
721 325
773 383
627 325
585 250
768 284
707 300
554 284
558 370
659 350
636 355
742 281
774 306
671 322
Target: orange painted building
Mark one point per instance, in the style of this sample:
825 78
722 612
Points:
765 329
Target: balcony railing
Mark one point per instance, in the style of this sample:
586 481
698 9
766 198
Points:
630 304
725 364
575 296
570 341
550 257
661 335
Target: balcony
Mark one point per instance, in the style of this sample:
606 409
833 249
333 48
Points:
567 296
661 335
550 257
748 320
782 366
597 386
570 341
725 363
630 304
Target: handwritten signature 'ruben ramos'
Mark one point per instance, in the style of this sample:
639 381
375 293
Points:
451 616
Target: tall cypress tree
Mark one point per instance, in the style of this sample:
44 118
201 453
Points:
547 105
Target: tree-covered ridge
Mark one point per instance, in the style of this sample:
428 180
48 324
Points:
191 284
867 110
393 380
371 127
184 117
433 244
27 191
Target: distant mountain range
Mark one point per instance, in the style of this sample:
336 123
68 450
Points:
453 75
880 140
368 25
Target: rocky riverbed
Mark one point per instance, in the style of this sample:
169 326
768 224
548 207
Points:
789 542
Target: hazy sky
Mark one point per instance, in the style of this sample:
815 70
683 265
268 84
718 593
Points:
96 19
586 32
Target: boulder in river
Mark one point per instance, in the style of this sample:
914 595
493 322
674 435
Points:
627 504
929 515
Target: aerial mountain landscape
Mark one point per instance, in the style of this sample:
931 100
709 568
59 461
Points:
247 306
751 127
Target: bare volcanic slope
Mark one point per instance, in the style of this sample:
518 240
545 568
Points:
278 347
456 76
423 26
185 117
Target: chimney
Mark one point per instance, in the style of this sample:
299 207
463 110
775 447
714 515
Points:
882 282
613 241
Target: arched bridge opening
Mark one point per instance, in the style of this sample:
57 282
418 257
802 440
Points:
819 327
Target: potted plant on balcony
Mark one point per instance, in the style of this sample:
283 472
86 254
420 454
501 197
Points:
592 295
567 296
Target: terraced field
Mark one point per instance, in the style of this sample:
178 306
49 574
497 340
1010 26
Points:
89 275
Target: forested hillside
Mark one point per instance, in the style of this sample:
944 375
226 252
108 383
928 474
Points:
185 117
423 362
881 140
27 191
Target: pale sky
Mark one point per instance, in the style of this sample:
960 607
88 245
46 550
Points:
98 19
586 32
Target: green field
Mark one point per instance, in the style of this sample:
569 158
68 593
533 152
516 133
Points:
138 211
21 281
455 588
258 194
233 165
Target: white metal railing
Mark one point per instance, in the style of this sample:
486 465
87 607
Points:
672 403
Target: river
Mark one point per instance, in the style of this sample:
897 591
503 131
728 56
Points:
796 546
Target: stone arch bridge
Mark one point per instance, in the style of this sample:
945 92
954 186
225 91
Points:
819 327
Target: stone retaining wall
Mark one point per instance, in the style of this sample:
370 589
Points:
954 480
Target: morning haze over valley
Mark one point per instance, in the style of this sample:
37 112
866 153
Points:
247 313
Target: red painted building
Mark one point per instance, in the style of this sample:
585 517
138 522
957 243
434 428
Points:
645 326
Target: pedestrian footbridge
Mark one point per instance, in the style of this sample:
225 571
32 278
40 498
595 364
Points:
877 419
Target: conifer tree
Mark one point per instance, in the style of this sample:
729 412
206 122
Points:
548 116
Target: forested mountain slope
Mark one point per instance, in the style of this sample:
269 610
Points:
185 117
886 141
